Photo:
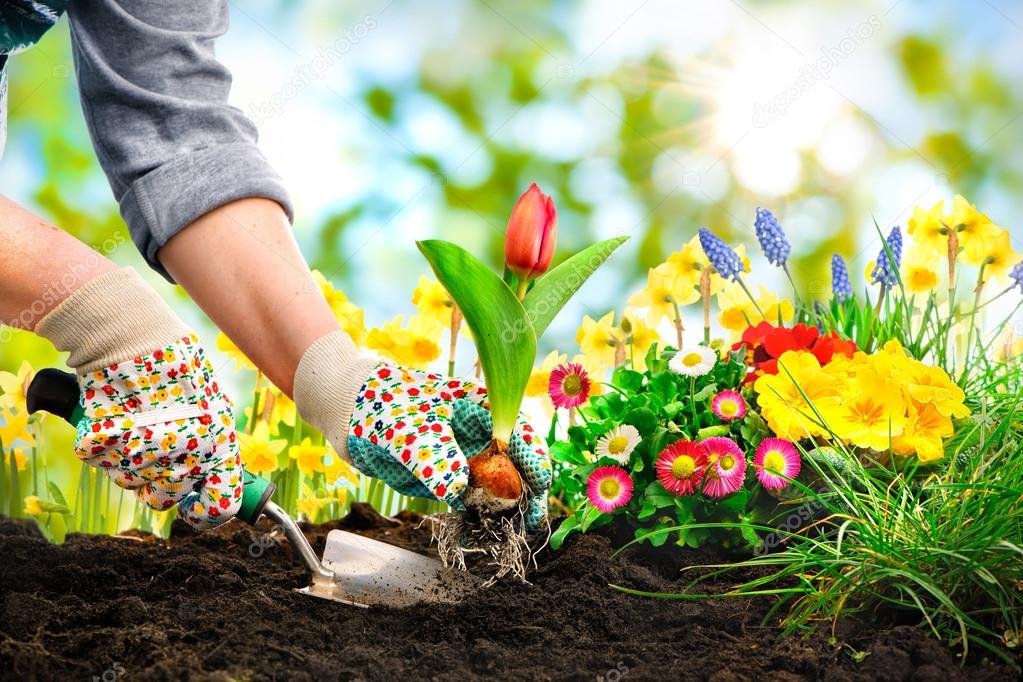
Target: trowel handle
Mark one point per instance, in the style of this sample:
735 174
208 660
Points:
57 392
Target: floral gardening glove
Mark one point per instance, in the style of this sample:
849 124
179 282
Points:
154 417
160 426
415 431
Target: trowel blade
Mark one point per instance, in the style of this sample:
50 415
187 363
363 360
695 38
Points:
373 573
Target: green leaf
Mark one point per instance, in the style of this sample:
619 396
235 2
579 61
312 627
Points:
550 292
706 392
504 338
589 516
55 493
643 419
562 451
628 380
567 527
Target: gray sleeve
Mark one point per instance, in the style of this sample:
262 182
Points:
155 101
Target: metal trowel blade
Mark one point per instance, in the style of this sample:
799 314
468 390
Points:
373 573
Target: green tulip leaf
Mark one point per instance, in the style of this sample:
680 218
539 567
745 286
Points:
504 338
550 293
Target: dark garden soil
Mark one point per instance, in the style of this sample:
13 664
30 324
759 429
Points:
199 607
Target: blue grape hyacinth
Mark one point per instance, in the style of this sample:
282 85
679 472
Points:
886 272
1016 275
840 287
772 239
721 256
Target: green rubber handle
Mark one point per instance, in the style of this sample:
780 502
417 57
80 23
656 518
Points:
256 493
57 392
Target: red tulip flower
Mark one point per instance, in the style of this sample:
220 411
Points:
532 233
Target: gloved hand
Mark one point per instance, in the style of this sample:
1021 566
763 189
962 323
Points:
155 419
411 429
415 431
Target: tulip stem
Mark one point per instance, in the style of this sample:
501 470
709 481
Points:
456 325
523 289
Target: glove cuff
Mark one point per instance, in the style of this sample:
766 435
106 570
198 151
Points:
327 381
111 318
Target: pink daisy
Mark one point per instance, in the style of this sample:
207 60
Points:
680 467
728 405
609 488
727 467
776 462
569 385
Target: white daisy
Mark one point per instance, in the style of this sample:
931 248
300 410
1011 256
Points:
693 362
618 443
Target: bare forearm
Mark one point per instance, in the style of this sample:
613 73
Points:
41 266
241 265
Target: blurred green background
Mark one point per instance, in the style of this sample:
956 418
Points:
396 120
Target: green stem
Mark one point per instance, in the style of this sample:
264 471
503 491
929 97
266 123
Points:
749 295
692 401
677 322
523 289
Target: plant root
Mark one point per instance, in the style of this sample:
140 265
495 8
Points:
502 539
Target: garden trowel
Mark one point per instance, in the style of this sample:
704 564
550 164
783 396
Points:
355 570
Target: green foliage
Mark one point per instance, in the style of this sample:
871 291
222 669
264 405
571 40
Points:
664 407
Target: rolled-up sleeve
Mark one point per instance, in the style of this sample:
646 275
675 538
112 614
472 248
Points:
155 101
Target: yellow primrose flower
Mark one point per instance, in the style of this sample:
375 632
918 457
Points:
259 451
781 396
923 433
414 345
540 378
14 386
32 506
349 316
871 411
432 300
972 226
920 270
598 338
228 348
662 293
309 457
995 253
929 230
14 426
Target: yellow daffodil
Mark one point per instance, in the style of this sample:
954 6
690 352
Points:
786 398
32 506
598 339
337 472
540 378
661 295
738 312
972 226
228 348
14 385
416 344
927 384
349 316
929 229
686 265
259 451
920 270
307 456
20 459
994 253
638 340
432 300
13 427
309 503
282 409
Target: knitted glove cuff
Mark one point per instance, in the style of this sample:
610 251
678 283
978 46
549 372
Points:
327 381
112 318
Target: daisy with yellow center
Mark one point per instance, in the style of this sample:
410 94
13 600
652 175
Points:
619 443
776 462
693 362
609 488
680 467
